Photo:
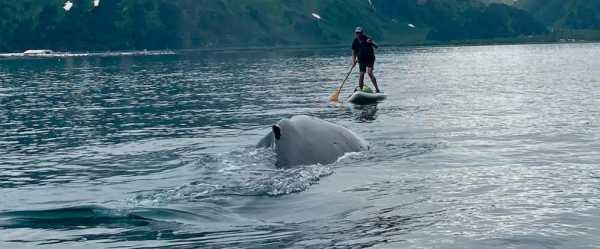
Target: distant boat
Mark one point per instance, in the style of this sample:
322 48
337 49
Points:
38 52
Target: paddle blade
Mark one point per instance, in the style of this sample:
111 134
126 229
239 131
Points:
335 96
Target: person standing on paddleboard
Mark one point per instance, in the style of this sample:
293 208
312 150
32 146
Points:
364 54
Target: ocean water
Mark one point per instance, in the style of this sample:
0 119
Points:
475 147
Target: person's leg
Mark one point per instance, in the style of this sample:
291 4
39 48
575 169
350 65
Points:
373 79
361 79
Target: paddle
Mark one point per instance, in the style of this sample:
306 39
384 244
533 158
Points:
335 95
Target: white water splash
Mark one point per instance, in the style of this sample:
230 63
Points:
349 155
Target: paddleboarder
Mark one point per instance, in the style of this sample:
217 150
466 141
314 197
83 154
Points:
363 53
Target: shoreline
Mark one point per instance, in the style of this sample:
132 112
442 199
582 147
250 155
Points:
167 51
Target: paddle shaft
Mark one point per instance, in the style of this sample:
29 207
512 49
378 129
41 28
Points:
346 79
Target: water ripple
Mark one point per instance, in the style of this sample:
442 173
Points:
476 147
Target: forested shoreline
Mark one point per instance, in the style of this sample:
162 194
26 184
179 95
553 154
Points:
183 24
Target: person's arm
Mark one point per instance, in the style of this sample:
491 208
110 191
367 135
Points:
354 48
372 43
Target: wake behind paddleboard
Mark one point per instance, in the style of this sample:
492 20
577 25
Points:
365 98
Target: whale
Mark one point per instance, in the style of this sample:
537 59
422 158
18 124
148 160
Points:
306 140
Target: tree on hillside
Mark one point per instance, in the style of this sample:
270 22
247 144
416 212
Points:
574 14
169 16
104 25
584 17
73 32
492 21
22 36
48 23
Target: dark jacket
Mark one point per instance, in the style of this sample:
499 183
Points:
363 48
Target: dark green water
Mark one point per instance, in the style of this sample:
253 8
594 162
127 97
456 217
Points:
476 147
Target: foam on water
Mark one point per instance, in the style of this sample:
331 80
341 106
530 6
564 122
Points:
250 172
92 54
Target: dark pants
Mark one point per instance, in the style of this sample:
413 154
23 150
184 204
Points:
363 64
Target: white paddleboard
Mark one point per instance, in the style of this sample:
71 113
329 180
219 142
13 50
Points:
364 98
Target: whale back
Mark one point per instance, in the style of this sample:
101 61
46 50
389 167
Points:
305 140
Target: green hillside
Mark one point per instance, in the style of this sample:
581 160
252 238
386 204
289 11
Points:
160 24
573 14
152 24
455 20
